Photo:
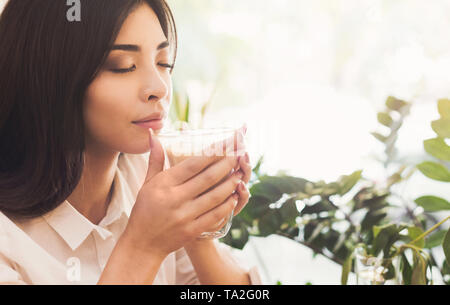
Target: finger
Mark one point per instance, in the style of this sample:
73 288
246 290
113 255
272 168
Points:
219 225
245 167
193 165
244 196
156 158
216 215
216 196
208 178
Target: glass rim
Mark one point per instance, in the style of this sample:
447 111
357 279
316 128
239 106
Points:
196 132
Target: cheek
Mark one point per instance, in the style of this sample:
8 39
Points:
107 112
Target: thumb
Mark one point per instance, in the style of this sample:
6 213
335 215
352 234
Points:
156 159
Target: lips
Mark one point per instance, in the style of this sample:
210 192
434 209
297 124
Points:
154 116
153 124
154 121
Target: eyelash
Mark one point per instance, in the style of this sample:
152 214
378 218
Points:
168 66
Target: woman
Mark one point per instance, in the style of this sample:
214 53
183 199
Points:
80 201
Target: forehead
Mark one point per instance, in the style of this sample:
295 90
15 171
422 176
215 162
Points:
141 27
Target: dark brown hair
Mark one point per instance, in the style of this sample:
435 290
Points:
46 66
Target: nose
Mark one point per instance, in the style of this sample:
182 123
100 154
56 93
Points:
155 87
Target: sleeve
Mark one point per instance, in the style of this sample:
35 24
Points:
186 275
8 275
252 270
8 272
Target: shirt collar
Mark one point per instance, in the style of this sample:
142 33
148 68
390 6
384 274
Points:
120 201
74 228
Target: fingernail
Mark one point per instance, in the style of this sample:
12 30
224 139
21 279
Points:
235 197
151 137
242 186
247 158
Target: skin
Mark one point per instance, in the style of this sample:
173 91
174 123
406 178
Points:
171 208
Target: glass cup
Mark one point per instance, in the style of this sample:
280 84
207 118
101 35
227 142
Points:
182 144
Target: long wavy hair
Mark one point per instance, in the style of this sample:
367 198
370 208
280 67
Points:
46 66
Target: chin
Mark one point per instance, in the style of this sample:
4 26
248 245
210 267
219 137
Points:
136 147
138 143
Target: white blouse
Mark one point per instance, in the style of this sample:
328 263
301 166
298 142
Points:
64 247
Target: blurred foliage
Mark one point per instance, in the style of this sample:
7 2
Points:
181 110
336 217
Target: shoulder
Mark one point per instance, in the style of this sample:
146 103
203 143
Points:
9 232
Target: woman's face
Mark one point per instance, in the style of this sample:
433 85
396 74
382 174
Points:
132 86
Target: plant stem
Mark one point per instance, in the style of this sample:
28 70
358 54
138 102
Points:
429 230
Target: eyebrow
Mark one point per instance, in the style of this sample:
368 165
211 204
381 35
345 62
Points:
136 48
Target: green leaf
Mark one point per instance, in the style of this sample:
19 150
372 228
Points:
385 119
255 208
446 246
331 189
434 171
377 229
379 137
257 167
393 179
269 223
445 267
273 187
435 239
178 106
239 235
406 270
372 218
346 268
432 203
389 273
444 108
375 203
413 233
187 109
442 127
266 190
385 238
321 206
289 212
394 103
419 270
437 148
348 182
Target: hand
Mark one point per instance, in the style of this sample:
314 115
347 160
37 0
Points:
244 194
245 168
171 209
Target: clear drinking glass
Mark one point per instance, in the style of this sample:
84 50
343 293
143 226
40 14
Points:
182 144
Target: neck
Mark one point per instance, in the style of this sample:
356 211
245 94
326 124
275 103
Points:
91 196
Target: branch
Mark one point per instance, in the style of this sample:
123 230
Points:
312 247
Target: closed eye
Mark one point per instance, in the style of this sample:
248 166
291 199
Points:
124 70
131 69
169 66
